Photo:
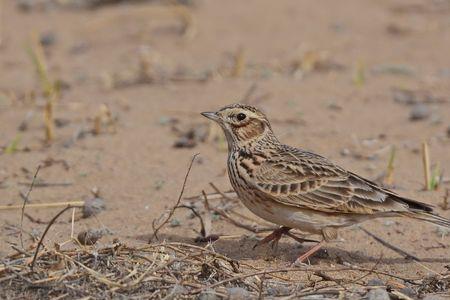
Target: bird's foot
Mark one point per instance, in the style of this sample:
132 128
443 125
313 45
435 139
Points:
276 235
300 239
304 257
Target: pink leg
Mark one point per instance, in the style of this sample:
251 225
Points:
274 237
310 252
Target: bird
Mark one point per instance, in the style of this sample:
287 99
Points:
298 189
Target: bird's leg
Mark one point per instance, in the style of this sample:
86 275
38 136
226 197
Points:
299 239
310 252
274 237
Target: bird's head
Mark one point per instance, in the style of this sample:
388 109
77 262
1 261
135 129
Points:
242 124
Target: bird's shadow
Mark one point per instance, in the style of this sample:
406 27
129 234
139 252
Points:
243 249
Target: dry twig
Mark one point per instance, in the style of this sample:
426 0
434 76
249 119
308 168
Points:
25 201
45 232
172 210
390 246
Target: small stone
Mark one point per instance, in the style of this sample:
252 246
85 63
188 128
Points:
163 120
419 112
389 223
448 131
408 292
334 106
174 223
178 290
90 236
185 142
375 282
79 47
238 293
208 295
25 5
404 96
378 294
60 122
345 152
315 297
278 289
47 39
93 206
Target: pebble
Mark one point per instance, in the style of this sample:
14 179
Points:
375 282
389 223
278 289
238 293
25 5
404 96
408 292
90 236
208 295
178 290
316 297
174 223
419 112
378 294
448 131
185 142
47 39
345 152
79 47
394 69
93 206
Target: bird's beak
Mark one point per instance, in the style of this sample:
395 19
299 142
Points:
211 115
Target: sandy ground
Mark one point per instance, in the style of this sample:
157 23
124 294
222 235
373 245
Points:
344 107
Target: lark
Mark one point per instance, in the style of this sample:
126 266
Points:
299 189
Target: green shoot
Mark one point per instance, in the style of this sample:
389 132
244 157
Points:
390 167
13 146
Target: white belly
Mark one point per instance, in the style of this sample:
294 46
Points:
294 217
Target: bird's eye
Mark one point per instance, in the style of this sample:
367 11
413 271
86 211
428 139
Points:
240 116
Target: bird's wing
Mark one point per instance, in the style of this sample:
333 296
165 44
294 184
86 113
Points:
304 179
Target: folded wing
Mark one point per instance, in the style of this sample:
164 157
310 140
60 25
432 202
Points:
304 179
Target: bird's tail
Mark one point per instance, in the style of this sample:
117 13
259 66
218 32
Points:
427 217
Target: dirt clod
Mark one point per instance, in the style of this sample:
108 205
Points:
90 236
419 112
93 206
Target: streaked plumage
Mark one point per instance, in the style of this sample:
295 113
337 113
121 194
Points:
299 189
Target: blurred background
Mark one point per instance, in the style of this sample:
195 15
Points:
105 97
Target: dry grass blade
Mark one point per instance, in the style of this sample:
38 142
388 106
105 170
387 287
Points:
389 179
165 267
249 93
45 232
426 165
208 221
444 205
390 246
48 87
44 205
25 201
239 63
228 196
